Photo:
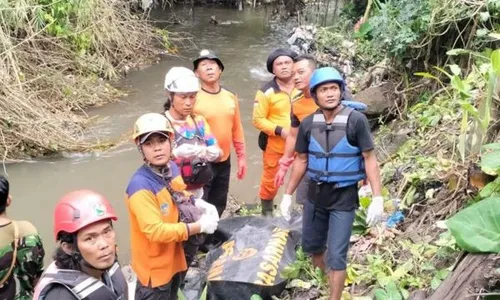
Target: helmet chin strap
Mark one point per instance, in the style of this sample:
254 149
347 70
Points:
160 170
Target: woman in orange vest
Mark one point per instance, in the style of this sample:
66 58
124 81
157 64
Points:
160 213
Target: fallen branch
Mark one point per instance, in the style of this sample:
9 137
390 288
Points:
474 273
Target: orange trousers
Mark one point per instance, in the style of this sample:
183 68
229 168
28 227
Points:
270 161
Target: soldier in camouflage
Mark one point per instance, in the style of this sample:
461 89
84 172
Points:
19 269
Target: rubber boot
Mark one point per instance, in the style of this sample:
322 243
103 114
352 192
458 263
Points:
267 207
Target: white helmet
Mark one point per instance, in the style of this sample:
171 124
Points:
181 80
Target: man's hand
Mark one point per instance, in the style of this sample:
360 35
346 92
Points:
375 211
208 224
242 167
285 163
279 178
212 153
207 208
186 151
285 205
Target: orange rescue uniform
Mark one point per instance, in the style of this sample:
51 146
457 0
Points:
302 107
271 114
156 235
222 112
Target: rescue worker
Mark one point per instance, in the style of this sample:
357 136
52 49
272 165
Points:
85 263
21 262
155 200
220 108
271 115
195 145
335 148
303 105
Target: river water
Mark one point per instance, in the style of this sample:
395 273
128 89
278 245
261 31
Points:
243 48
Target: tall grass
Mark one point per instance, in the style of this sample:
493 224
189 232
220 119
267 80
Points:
54 55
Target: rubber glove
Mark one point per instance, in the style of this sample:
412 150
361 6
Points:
212 153
186 151
197 193
239 147
208 224
242 167
285 205
285 163
207 208
201 151
375 211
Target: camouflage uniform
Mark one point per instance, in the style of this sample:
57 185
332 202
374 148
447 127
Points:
29 261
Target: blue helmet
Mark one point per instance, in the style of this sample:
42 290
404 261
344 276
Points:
324 75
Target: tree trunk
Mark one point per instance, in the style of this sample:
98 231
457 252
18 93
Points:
335 10
326 13
474 274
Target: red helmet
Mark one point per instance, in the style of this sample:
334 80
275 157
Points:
78 209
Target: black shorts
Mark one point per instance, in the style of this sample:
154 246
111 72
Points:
165 292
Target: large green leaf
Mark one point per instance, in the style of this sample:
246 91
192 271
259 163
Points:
492 189
490 159
477 228
391 292
364 30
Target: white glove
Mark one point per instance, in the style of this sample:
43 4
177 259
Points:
285 205
197 193
375 211
207 208
186 151
212 153
208 224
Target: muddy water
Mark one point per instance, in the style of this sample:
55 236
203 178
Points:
243 47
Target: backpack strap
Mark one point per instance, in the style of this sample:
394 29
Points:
197 132
14 254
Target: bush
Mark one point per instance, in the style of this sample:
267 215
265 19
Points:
55 55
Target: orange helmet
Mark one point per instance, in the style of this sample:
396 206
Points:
78 209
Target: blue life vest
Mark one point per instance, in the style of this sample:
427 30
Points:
330 157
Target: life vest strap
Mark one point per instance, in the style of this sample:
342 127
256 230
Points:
330 174
318 154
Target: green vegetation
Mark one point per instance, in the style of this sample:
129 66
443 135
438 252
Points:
56 57
442 60
417 30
